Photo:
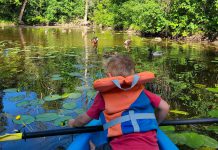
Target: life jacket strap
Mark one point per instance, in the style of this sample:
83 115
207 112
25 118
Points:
134 82
133 117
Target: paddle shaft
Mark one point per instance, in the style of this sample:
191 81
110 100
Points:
66 131
88 129
190 121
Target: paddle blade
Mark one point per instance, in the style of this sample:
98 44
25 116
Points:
11 137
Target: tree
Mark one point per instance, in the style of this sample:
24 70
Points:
86 12
20 21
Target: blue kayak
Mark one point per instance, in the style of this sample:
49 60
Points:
81 141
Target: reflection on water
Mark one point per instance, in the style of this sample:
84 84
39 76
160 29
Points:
55 61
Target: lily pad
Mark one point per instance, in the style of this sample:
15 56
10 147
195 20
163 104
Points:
10 90
79 111
48 54
70 55
168 128
194 140
65 95
213 128
177 138
210 142
51 56
83 79
214 61
213 113
78 66
23 104
62 121
91 94
201 86
52 97
36 102
92 66
82 88
17 98
69 105
75 95
24 119
65 111
214 90
57 78
179 112
75 74
55 75
46 117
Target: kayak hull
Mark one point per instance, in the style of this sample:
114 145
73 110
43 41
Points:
81 141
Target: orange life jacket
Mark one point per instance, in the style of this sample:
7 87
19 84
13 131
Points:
106 84
125 102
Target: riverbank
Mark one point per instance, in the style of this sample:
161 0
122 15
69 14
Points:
6 23
198 38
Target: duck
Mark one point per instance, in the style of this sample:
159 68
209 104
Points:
94 41
127 42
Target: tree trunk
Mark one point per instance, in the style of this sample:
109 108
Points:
20 21
86 12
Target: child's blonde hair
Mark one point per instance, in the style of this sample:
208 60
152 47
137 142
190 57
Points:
120 66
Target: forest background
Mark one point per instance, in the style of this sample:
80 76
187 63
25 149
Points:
165 18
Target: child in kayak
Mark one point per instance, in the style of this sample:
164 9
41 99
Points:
128 107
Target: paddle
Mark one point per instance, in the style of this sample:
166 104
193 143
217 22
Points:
27 135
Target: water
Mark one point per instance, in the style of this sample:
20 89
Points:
44 61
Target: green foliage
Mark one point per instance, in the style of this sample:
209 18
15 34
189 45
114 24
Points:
43 11
173 18
187 17
9 10
104 13
53 11
147 17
